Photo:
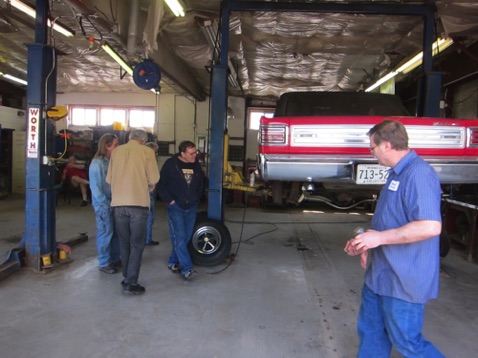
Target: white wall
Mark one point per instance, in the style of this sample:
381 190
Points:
175 114
113 99
178 118
13 118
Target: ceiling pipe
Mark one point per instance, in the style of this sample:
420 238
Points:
470 54
87 8
133 29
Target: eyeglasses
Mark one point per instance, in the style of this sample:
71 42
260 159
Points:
373 148
191 153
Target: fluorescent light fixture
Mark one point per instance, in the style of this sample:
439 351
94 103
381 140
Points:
382 80
31 12
115 56
175 7
14 79
439 45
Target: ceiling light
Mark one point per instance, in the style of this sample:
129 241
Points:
31 12
439 45
14 79
382 80
117 58
175 7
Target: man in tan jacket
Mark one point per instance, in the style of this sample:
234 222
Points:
132 173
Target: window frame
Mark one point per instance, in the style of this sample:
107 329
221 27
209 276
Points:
253 110
99 109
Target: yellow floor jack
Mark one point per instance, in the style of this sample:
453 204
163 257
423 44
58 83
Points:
233 179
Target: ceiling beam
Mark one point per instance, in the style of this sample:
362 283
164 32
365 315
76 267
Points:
175 69
357 8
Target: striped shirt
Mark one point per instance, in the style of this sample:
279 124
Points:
407 271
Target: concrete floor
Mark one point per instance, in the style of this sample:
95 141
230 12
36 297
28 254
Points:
290 292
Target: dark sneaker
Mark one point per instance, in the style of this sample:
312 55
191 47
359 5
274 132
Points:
152 243
123 284
108 269
84 203
190 275
174 268
135 289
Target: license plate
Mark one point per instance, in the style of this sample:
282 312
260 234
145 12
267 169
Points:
371 174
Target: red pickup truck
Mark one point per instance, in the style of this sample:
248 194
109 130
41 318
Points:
316 146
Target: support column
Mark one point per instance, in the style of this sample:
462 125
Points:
429 86
218 122
40 229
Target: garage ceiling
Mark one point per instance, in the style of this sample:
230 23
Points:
271 52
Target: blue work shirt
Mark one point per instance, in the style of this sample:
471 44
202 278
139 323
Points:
409 272
100 189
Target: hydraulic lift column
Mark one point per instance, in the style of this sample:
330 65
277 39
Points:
40 226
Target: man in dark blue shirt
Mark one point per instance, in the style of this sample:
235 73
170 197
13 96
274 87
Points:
404 244
181 186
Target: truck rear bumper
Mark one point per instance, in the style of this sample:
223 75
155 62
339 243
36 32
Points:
327 168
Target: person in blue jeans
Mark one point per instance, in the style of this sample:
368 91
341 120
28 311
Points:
404 244
152 207
180 186
107 242
132 173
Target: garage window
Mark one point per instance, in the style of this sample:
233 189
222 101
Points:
110 115
84 116
254 116
137 117
141 118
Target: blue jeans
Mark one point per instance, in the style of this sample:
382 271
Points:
107 242
181 225
385 321
152 212
130 225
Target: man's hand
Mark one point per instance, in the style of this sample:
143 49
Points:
362 242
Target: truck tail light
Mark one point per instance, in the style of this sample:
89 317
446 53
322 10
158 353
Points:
276 135
473 137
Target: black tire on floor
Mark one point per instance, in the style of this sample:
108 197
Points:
211 242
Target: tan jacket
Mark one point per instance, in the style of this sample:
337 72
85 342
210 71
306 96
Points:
132 173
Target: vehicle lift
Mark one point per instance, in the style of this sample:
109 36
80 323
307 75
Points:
39 238
208 241
211 241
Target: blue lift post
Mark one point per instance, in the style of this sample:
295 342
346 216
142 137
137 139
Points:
40 225
428 96
218 122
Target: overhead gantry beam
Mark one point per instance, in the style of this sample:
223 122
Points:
173 68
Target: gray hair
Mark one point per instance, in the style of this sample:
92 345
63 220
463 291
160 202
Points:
152 145
139 134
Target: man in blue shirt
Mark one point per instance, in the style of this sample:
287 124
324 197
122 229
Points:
404 244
